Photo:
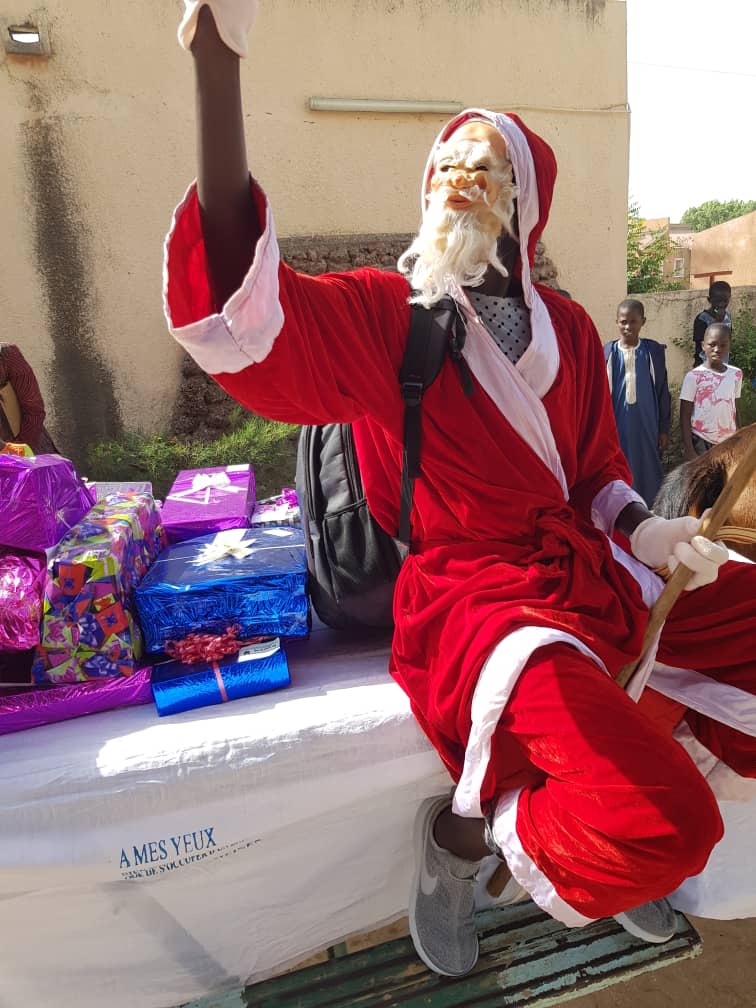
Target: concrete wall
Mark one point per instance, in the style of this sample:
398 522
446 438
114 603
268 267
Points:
728 246
670 315
98 147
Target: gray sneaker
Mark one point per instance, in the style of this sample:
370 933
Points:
653 922
441 902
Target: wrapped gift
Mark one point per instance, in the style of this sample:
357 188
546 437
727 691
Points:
252 578
209 500
103 490
257 668
21 450
280 510
22 579
88 630
41 498
28 710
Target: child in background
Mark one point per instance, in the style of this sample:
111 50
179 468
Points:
708 409
637 373
720 293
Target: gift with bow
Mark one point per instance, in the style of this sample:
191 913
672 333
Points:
253 578
209 500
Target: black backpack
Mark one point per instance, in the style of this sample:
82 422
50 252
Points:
353 563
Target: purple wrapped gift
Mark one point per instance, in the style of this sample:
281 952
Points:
28 710
22 581
41 498
202 501
280 510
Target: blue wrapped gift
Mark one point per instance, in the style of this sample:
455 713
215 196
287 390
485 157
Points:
252 579
257 668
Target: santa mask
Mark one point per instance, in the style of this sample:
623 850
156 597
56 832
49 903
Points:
469 202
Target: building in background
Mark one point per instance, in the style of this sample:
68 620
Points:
98 147
725 252
677 264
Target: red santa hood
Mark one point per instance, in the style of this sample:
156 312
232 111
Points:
534 165
535 172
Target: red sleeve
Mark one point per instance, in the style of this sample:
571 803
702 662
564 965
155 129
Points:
599 457
338 353
24 382
290 347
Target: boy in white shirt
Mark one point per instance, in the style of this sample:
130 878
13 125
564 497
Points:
708 411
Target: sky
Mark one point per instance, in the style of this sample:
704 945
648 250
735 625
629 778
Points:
692 92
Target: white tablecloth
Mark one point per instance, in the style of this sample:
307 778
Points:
147 861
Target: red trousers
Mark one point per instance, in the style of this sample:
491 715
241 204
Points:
612 811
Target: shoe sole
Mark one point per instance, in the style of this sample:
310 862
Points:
647 936
420 830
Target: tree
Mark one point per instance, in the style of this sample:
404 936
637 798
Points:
646 252
715 212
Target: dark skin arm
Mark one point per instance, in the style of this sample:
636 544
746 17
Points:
229 220
686 431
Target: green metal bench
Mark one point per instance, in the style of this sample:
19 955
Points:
528 960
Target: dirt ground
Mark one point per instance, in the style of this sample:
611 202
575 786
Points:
723 976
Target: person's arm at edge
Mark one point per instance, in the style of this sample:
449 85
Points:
686 416
31 405
664 400
699 328
229 221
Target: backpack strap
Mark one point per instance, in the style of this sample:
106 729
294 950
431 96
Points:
432 333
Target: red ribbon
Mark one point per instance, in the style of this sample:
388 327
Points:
197 647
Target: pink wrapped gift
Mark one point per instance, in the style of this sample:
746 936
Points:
202 501
22 580
41 498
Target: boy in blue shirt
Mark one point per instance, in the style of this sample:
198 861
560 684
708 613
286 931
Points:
637 373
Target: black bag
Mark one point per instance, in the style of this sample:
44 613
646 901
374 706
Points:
353 563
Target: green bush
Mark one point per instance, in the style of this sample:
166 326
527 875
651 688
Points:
269 446
743 347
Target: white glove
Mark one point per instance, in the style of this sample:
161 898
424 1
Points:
233 19
672 541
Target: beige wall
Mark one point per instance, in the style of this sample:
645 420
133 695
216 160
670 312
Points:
670 315
98 147
728 246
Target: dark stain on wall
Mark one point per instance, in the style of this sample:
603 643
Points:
86 409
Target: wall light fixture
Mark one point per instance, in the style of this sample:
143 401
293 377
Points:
24 39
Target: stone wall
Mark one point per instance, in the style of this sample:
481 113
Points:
203 410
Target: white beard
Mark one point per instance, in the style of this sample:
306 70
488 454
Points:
456 245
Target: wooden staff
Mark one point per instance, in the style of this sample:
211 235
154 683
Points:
710 529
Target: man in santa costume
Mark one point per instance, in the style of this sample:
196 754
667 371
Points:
514 609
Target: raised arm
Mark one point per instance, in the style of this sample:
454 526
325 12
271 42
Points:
229 221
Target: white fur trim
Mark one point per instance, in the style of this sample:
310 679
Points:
497 679
610 501
725 784
244 332
650 584
727 704
524 869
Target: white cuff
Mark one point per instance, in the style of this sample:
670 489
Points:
524 869
610 501
245 330
497 679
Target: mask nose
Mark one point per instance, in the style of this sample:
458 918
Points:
460 180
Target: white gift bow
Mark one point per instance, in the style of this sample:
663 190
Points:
220 549
207 482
